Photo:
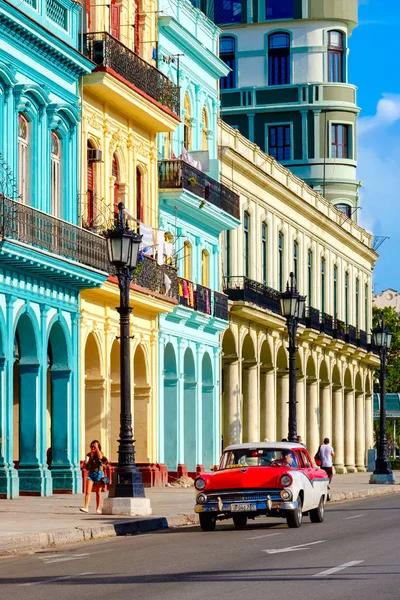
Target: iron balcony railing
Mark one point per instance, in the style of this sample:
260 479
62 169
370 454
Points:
362 340
351 335
220 306
312 318
340 330
177 174
326 324
106 51
162 279
248 290
201 298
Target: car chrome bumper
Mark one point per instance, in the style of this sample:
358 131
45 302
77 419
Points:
261 507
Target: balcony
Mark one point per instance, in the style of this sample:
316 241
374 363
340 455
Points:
162 279
247 290
326 324
339 332
312 318
113 57
351 335
220 306
201 298
177 174
362 341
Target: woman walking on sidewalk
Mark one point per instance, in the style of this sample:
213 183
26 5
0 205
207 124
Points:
95 461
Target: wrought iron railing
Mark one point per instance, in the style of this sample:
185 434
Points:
162 279
248 290
351 335
362 340
312 318
220 306
186 293
339 331
326 324
106 51
203 299
40 230
95 214
174 174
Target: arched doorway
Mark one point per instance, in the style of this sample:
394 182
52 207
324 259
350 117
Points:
170 408
231 412
208 410
94 392
115 391
141 405
189 412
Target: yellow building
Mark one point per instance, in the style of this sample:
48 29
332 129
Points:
126 103
286 226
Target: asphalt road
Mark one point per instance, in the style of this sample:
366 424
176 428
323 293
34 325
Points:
354 554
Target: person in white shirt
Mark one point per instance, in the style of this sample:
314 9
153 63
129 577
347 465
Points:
327 453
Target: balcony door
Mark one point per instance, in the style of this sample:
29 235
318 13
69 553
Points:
115 15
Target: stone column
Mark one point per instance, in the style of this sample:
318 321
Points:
62 471
268 406
360 433
232 405
313 440
349 441
301 407
326 412
369 430
251 430
338 430
282 392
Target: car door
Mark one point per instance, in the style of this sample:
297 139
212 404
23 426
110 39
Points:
306 481
308 472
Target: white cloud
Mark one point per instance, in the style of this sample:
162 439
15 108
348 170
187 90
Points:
387 113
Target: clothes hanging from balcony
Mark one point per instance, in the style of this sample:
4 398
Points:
185 289
147 246
168 285
190 290
208 303
180 288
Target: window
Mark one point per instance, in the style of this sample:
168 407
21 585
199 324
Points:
296 260
227 253
89 210
139 195
346 298
310 274
340 141
204 129
344 208
264 250
366 294
115 16
205 268
357 303
23 158
115 174
278 9
279 59
335 292
187 123
246 227
187 260
55 175
227 53
228 11
280 261
323 285
335 56
137 32
279 145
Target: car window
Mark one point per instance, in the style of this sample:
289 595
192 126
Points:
305 459
259 457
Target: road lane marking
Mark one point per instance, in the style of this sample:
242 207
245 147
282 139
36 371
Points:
54 579
355 517
257 537
334 570
293 548
62 558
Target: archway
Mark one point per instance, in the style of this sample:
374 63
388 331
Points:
94 391
250 410
231 424
115 391
141 405
189 411
208 421
170 408
282 393
58 394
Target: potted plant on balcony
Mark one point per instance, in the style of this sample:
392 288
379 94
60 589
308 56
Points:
192 181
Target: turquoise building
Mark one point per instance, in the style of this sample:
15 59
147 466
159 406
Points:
194 208
45 258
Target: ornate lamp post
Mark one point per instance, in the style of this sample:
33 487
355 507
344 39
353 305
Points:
126 494
292 308
382 338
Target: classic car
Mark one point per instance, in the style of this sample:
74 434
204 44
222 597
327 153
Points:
276 479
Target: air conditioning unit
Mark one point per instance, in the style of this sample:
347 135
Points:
98 52
94 155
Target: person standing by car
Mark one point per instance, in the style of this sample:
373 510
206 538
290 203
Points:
95 461
327 453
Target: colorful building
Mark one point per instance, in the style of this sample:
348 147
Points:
46 259
194 209
127 101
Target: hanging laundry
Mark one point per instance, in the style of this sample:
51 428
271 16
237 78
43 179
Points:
185 289
168 285
147 245
180 288
190 294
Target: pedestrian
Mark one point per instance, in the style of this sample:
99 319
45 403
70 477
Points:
94 464
327 453
300 440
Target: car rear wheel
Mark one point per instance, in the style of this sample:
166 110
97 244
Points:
240 521
317 515
207 522
295 517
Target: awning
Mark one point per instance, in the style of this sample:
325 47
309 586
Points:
392 406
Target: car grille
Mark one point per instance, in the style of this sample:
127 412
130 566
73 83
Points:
245 496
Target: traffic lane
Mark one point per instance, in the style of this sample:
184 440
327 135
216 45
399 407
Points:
187 563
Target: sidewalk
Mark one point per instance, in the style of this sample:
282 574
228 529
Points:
30 523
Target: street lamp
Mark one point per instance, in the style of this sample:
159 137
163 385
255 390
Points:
381 339
126 495
292 308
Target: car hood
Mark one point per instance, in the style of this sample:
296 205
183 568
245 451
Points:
247 477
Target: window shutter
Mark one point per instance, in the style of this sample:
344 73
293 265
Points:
115 20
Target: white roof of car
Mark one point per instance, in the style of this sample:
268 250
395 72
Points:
264 445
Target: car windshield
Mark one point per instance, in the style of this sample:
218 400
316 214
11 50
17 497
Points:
259 457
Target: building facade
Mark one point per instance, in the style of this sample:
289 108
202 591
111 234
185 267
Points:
127 101
194 209
388 297
288 89
288 227
46 259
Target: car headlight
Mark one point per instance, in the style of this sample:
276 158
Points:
201 499
286 480
286 495
200 484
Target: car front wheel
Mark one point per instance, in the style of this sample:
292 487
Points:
207 522
295 517
240 521
317 515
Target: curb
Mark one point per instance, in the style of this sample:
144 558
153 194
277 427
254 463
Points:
41 541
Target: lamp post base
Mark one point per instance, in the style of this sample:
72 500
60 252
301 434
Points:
127 506
383 479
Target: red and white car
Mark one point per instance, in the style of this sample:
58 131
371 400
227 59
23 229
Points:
274 479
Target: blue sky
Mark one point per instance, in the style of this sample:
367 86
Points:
375 70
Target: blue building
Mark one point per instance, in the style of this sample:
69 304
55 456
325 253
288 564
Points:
45 258
194 209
